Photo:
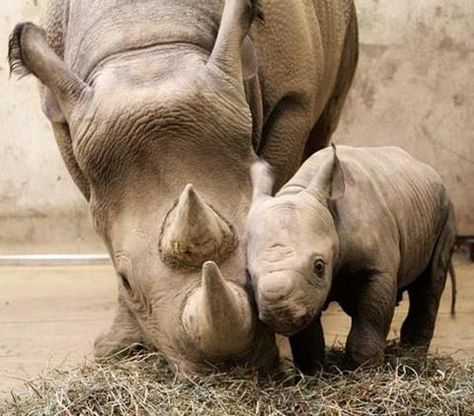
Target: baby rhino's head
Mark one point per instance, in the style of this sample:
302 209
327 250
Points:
292 247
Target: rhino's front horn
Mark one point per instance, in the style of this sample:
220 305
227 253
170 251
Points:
218 316
193 232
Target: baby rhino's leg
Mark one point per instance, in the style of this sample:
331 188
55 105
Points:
418 327
425 293
307 347
371 319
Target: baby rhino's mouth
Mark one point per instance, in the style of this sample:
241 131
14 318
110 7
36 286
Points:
286 321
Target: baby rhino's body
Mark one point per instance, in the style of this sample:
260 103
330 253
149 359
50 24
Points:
358 228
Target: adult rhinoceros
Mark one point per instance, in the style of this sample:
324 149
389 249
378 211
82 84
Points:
148 96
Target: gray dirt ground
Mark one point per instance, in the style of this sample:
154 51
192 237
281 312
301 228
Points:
49 317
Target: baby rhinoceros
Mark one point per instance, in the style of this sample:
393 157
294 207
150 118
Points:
358 227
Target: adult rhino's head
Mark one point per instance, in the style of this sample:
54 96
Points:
159 140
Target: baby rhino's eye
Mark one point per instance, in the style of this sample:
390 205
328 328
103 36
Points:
319 267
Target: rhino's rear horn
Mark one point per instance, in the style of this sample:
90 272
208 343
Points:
218 316
193 232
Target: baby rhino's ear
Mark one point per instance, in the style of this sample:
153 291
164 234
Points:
262 180
328 183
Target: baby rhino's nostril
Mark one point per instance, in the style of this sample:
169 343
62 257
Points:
276 288
301 316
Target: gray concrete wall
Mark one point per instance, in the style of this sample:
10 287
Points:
40 208
414 88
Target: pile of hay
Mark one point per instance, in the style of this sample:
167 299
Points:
142 385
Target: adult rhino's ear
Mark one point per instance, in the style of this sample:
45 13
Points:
329 184
249 60
29 53
262 180
253 90
232 42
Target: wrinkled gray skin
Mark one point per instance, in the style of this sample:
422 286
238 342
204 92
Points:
359 229
146 97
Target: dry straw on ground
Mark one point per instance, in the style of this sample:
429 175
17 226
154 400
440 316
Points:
142 385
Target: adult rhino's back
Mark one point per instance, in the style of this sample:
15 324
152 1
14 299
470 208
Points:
298 48
95 31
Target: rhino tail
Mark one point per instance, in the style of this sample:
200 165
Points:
444 254
452 275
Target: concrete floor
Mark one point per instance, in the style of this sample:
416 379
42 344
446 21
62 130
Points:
49 317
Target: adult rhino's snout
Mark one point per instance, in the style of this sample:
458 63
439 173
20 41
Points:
194 232
217 316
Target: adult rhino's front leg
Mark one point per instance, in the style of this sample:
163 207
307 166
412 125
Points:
293 131
285 132
328 121
284 138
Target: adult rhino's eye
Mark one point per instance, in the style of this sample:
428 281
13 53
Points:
318 267
125 283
